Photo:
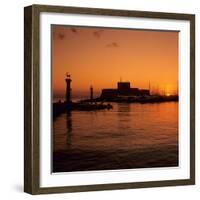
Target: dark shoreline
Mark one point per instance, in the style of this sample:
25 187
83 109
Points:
91 160
139 99
101 104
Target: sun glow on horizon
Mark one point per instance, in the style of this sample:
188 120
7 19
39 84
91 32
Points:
99 57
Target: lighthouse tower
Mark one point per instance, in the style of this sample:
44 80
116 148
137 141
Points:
68 88
91 94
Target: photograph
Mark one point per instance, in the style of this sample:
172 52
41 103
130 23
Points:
114 98
109 99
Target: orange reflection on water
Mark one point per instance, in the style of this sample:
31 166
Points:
138 135
126 126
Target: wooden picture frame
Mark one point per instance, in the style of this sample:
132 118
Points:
32 98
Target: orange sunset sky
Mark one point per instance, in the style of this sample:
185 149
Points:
100 56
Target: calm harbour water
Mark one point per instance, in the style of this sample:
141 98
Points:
128 136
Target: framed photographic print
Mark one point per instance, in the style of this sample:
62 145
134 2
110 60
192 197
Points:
109 99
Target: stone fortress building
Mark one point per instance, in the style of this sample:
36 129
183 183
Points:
123 89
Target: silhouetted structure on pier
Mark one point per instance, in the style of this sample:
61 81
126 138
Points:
91 94
123 89
68 89
67 106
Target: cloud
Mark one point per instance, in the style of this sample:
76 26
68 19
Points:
98 33
74 30
113 45
61 36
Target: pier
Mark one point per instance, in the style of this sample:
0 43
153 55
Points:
68 105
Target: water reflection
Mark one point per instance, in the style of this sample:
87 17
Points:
69 129
124 116
128 136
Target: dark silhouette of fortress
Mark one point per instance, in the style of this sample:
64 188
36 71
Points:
124 89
